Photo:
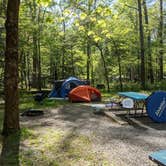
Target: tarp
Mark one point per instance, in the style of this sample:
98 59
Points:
84 93
156 106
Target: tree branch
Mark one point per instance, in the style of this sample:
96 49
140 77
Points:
131 7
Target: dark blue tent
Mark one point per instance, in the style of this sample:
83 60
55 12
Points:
156 106
63 87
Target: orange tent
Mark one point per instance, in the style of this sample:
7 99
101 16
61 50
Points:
84 93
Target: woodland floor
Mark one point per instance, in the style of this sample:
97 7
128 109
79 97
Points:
71 135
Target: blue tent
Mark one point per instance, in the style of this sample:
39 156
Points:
62 88
156 106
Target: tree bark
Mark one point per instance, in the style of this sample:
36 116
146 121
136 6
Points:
11 115
25 71
63 50
63 47
33 12
150 67
119 65
39 67
40 28
88 43
21 69
88 59
142 50
72 61
105 68
161 42
28 71
35 61
120 72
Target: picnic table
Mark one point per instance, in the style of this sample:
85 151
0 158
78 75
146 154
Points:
153 105
134 95
159 157
139 100
113 108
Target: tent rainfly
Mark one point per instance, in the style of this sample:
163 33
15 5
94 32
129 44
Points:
63 87
84 93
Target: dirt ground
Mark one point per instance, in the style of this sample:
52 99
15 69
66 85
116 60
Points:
122 145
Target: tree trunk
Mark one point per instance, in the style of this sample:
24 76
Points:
105 69
72 61
137 78
119 65
142 50
150 67
120 72
161 42
92 73
35 61
11 115
25 71
33 12
39 52
63 50
10 150
28 71
88 59
39 65
2 74
51 59
88 43
40 28
21 69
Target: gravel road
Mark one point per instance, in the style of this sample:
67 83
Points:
123 145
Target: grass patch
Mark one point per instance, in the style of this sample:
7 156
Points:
27 102
59 148
27 134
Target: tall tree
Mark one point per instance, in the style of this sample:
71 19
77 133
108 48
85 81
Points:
88 42
33 10
149 52
142 49
64 41
161 41
11 116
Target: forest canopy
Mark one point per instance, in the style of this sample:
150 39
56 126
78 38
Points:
103 41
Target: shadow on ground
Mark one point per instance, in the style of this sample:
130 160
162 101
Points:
143 122
10 150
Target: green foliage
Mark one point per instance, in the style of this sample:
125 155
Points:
27 134
27 102
127 86
44 3
160 85
62 30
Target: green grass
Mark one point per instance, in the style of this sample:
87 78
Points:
27 102
60 148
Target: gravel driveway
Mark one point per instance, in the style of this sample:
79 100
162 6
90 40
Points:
123 145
